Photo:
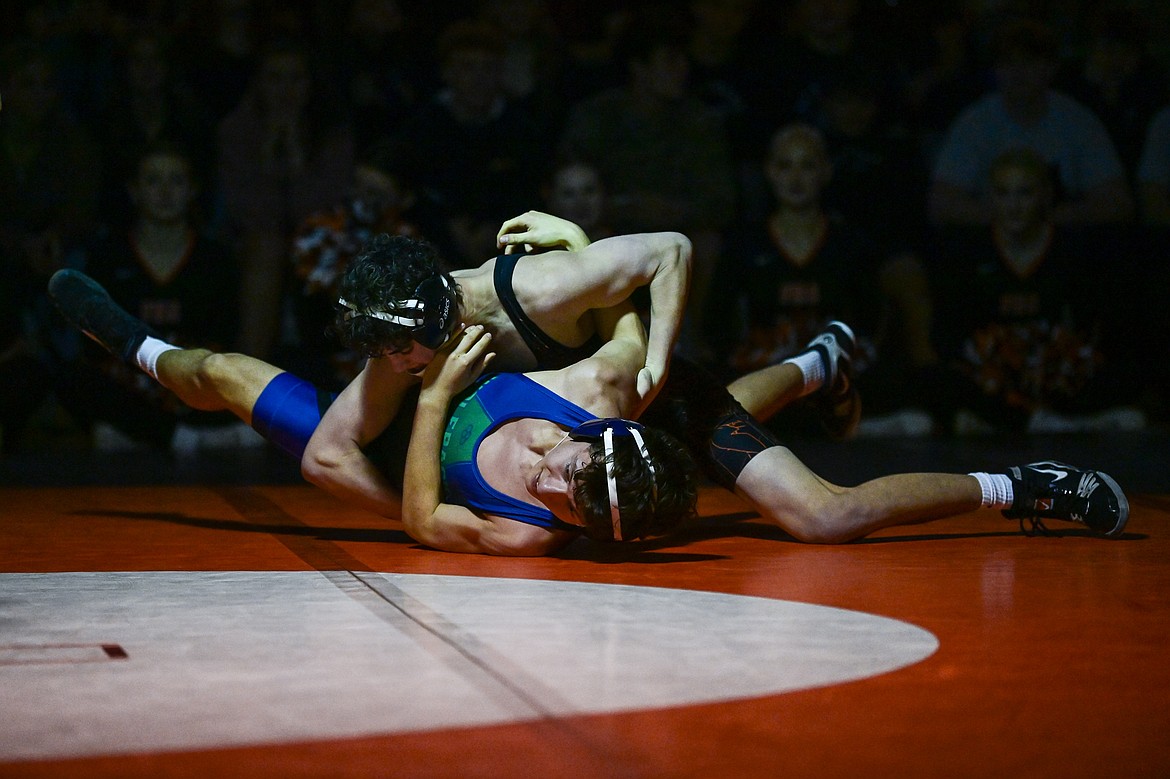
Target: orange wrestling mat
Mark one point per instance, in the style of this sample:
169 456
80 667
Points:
274 632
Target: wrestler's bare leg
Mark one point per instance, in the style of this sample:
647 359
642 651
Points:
764 392
786 493
824 367
210 381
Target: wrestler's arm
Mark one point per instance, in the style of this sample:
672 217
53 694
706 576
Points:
606 273
334 460
606 382
425 516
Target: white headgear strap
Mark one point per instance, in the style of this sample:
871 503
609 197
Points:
413 304
611 480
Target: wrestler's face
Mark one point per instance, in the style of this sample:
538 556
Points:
414 361
552 481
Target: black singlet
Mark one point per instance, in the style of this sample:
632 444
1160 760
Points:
550 354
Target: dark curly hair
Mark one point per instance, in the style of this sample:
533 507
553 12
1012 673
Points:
389 268
676 479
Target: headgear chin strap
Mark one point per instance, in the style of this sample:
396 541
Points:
605 430
431 314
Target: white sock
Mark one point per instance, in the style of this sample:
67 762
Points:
997 490
148 354
811 368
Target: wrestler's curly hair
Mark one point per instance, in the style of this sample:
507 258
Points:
389 268
676 477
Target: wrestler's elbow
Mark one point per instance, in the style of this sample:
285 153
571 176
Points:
676 252
319 463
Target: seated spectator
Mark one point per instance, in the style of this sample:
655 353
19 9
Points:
25 373
1025 112
149 103
377 68
534 56
1118 80
1154 172
283 154
576 191
176 280
879 182
476 153
1154 278
794 273
1026 307
789 65
720 74
50 167
664 156
381 201
219 44
50 171
943 72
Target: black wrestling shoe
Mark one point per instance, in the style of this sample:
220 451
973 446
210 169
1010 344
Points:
89 308
838 402
1052 490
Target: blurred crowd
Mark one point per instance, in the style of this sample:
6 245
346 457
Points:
980 188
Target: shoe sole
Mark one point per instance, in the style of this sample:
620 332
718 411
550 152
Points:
69 289
1122 505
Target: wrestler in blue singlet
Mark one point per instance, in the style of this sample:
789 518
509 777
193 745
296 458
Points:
493 401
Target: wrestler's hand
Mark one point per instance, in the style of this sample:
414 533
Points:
648 389
536 229
457 367
645 382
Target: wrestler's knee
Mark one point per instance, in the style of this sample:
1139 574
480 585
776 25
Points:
820 532
214 370
822 521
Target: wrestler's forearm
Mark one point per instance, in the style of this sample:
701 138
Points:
422 485
668 300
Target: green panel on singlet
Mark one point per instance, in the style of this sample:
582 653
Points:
467 421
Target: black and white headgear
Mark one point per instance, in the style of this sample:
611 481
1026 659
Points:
432 314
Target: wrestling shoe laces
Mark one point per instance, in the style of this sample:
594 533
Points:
89 308
838 402
1054 490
